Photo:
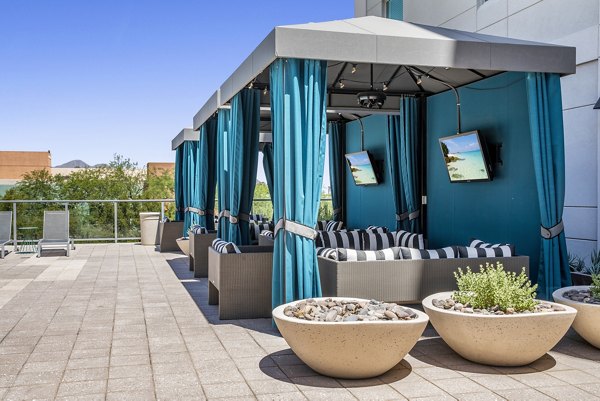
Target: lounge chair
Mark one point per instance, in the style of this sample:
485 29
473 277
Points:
56 232
5 231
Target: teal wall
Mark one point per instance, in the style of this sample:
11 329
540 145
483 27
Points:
369 205
396 9
505 209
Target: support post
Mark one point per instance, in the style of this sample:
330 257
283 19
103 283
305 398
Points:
116 221
162 211
15 244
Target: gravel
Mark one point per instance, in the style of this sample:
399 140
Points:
451 304
584 296
347 310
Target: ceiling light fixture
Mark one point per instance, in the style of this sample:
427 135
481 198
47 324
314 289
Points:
341 83
353 68
385 86
372 98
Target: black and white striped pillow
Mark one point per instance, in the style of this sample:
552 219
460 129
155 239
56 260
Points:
471 252
373 241
197 229
256 228
267 233
329 253
339 239
333 225
225 247
409 240
378 229
417 254
257 218
352 255
477 243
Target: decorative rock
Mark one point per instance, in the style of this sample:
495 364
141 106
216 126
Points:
331 310
540 307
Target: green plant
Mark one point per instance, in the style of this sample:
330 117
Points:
595 287
577 264
594 267
494 287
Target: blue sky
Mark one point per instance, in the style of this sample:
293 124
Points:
87 79
461 144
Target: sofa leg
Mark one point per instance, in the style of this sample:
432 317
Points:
191 263
213 294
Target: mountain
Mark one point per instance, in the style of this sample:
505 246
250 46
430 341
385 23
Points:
74 164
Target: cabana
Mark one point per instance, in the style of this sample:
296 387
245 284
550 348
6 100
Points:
406 85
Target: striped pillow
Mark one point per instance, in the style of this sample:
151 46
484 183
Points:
257 218
417 254
333 225
339 239
225 247
267 233
373 241
197 229
329 253
470 252
378 229
351 255
477 243
255 230
409 240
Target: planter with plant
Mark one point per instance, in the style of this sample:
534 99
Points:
581 273
495 319
586 299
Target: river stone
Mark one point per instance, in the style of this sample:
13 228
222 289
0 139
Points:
347 310
540 306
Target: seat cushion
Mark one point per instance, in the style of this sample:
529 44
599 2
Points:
339 239
352 255
417 254
409 240
472 252
373 241
225 247
330 253
477 243
197 229
379 229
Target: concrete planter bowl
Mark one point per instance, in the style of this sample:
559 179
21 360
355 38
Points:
587 321
350 350
184 244
499 340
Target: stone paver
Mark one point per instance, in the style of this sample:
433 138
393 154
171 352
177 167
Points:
123 322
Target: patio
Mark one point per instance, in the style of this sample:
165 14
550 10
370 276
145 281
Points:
123 322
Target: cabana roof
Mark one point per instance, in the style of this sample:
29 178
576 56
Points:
400 54
186 134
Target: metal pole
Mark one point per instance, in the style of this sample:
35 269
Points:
116 222
15 225
162 211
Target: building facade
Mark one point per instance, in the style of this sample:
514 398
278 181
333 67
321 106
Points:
14 164
573 23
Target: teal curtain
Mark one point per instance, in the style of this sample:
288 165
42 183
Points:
337 153
243 161
403 147
268 166
223 128
299 120
190 193
206 176
179 183
547 138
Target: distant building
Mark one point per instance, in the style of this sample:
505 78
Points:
14 165
159 168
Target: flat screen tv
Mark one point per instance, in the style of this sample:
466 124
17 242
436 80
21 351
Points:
465 157
361 167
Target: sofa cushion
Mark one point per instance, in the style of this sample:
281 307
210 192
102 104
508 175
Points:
329 225
352 255
409 240
257 218
471 252
225 247
330 253
378 229
477 243
197 229
255 230
267 233
339 239
416 254
373 241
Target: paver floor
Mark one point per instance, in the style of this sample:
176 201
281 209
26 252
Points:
123 322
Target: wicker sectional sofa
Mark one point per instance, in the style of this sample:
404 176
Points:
403 281
240 283
168 232
199 244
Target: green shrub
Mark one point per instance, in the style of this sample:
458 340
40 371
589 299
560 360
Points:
595 287
493 286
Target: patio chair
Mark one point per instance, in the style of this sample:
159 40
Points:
56 232
5 231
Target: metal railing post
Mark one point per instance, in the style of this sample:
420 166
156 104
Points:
116 221
162 211
15 226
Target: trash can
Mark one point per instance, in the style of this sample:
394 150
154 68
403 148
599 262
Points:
149 228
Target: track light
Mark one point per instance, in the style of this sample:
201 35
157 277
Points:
353 68
341 84
385 86
419 80
265 91
251 85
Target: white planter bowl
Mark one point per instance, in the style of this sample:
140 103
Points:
499 340
184 245
587 321
350 350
